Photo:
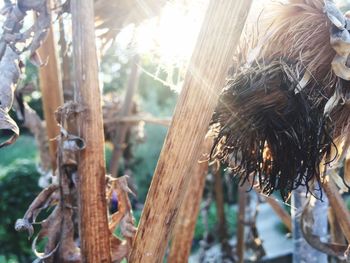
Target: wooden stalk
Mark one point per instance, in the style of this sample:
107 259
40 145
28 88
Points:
65 64
220 212
186 220
51 89
93 223
281 213
133 120
337 203
347 169
242 203
122 129
302 250
217 41
335 229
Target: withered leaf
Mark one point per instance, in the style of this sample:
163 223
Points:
307 225
8 78
42 201
8 124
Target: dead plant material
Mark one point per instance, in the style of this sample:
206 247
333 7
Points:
307 221
46 198
9 53
9 67
8 124
284 103
31 120
122 218
59 228
261 122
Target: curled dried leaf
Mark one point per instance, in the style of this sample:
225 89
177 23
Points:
73 143
334 100
23 224
347 254
67 111
334 14
8 124
42 201
70 145
127 226
340 41
120 249
8 78
122 218
40 28
340 68
307 222
40 255
50 229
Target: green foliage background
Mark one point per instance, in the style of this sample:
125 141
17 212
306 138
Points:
18 187
18 175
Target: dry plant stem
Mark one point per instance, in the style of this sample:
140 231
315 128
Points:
335 229
93 223
216 44
37 127
186 220
242 202
65 64
51 89
337 203
122 129
134 120
220 212
281 213
347 169
254 242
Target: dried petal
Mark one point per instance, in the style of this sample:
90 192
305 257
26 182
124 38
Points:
334 14
339 67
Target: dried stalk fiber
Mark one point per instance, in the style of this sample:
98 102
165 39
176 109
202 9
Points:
220 32
93 223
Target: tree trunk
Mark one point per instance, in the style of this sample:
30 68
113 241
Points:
51 89
206 76
303 252
93 223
